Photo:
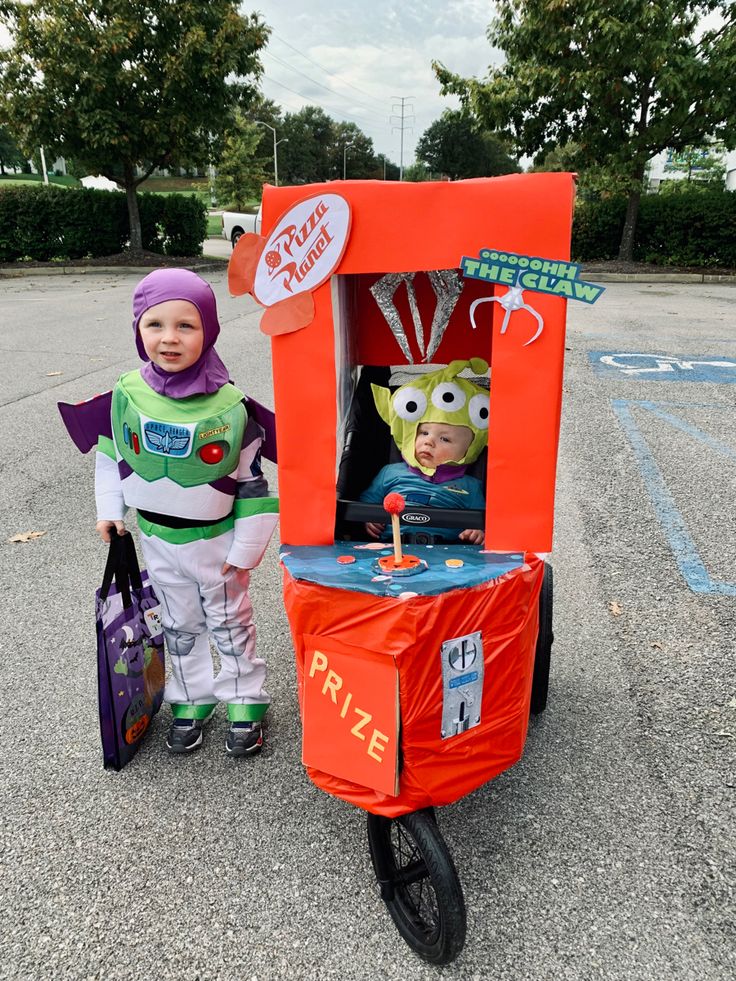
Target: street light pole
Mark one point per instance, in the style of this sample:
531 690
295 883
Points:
345 159
43 167
276 142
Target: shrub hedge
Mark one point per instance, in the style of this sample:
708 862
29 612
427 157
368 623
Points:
692 228
47 222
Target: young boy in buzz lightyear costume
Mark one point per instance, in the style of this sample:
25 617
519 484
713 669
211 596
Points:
186 456
440 424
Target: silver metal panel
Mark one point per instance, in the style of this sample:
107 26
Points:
462 683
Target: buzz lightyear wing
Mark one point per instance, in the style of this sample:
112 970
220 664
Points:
267 421
87 421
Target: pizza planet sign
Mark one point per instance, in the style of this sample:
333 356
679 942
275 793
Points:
304 248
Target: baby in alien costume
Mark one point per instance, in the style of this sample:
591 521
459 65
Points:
440 424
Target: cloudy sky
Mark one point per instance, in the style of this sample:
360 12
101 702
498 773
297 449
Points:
356 59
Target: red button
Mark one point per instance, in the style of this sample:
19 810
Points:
212 453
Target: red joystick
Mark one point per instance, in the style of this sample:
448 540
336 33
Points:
394 503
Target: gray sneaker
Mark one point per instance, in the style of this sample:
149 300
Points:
244 739
184 735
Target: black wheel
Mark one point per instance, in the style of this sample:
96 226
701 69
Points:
237 232
543 652
419 883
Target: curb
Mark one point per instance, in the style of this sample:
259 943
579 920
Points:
68 269
611 277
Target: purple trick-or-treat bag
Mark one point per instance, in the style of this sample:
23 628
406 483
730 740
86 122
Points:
130 653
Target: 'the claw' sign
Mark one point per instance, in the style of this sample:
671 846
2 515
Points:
556 277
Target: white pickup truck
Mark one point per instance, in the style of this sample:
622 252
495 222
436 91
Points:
236 223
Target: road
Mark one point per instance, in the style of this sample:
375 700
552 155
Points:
607 852
218 247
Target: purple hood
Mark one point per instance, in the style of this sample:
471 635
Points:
208 373
443 473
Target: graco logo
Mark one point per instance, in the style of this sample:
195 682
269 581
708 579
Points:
414 519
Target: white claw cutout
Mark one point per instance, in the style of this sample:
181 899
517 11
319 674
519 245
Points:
511 301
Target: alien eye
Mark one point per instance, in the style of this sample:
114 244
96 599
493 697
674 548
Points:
410 403
478 411
448 396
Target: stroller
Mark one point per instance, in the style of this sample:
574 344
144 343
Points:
414 691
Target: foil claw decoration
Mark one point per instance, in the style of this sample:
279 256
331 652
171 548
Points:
447 288
383 291
416 319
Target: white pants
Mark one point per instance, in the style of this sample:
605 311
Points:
197 601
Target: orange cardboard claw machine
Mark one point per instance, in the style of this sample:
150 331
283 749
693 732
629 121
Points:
393 306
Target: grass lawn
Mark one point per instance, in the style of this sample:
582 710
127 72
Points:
192 186
16 179
214 225
179 184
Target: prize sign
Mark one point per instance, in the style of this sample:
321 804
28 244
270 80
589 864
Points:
351 716
304 248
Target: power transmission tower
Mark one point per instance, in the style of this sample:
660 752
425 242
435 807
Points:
400 124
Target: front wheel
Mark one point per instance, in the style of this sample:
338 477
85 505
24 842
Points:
419 883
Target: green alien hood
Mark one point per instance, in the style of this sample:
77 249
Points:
439 396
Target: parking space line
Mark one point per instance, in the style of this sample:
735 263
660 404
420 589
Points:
686 427
683 548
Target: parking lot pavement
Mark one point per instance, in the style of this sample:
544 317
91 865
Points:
220 248
607 852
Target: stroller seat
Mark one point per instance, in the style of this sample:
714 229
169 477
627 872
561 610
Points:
367 448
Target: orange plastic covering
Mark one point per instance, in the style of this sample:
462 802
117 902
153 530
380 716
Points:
399 227
409 634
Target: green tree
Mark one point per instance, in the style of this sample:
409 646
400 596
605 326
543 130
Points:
621 79
316 149
703 167
10 152
417 172
266 113
240 172
454 145
305 158
593 182
385 169
352 153
126 86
